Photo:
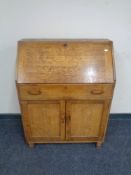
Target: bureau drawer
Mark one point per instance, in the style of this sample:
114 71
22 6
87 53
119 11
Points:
54 92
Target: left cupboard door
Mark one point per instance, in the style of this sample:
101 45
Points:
43 121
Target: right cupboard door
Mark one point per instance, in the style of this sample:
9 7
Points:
86 120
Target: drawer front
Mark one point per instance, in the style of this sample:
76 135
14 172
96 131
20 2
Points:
54 92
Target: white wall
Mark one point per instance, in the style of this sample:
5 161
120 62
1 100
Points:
65 19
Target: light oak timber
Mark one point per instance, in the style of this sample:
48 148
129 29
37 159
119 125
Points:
65 62
65 89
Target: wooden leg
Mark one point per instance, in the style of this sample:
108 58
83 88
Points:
31 145
98 144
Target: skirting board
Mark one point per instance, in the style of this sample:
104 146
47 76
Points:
115 116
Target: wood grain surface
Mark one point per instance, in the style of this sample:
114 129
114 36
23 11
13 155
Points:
65 89
65 62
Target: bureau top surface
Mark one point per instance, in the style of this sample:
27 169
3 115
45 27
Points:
65 61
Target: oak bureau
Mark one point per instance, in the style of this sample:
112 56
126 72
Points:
65 89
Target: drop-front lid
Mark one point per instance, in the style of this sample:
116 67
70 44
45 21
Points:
65 61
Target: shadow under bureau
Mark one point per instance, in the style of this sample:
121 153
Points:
65 89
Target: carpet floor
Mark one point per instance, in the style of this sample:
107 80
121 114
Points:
113 158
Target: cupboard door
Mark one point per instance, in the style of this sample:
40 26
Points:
44 120
84 119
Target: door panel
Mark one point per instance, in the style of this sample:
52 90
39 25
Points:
83 119
46 119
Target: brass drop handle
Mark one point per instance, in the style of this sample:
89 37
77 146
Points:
97 92
34 93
